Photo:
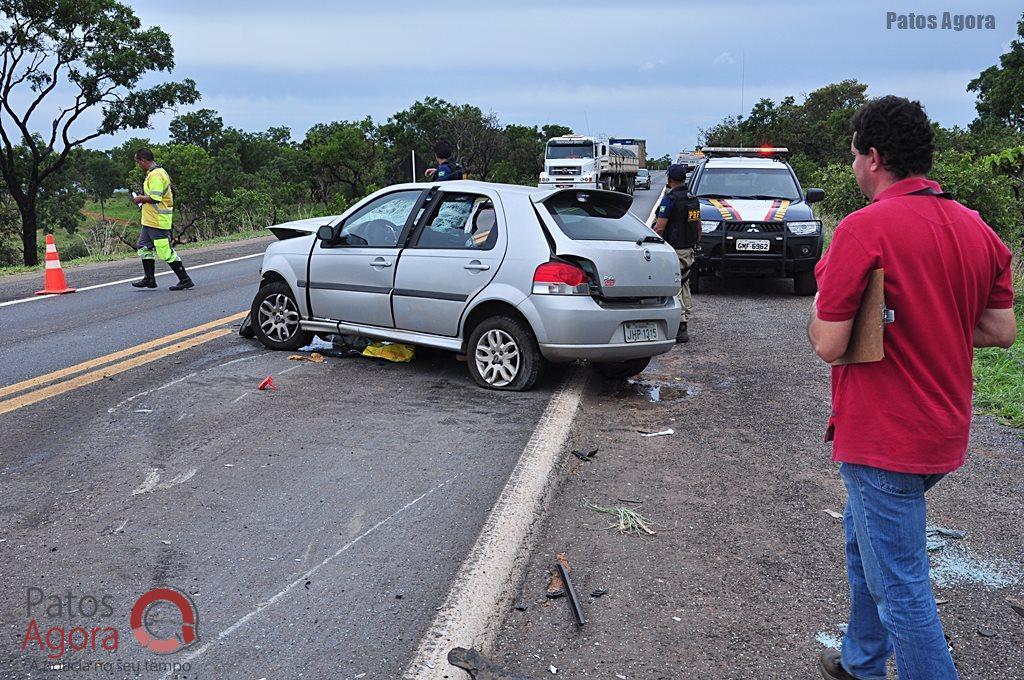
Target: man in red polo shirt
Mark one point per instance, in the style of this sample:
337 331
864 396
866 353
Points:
898 425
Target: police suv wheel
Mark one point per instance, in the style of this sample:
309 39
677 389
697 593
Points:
804 283
275 318
503 355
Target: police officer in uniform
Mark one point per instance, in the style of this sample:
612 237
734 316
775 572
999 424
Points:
678 222
446 169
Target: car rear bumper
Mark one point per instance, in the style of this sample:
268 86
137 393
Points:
570 327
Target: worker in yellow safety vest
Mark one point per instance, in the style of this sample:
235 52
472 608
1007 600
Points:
157 203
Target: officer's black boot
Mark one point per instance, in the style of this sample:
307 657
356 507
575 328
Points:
148 279
184 282
681 334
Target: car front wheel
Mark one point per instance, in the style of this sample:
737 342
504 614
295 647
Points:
275 318
503 355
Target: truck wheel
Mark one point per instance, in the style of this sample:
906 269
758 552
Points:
620 370
503 355
275 318
804 283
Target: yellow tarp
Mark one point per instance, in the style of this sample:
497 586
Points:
391 351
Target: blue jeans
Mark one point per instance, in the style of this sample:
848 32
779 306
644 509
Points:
892 608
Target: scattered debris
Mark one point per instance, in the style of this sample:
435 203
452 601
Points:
143 410
676 618
986 632
120 529
663 433
478 666
306 585
574 602
957 564
315 357
585 456
937 535
267 384
620 676
598 592
629 520
629 500
1016 605
833 514
520 607
72 491
229 465
166 542
941 601
246 330
556 586
829 640
552 670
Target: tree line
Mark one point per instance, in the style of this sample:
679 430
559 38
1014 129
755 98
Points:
981 164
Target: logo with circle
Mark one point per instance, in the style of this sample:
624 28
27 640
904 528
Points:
189 621
647 254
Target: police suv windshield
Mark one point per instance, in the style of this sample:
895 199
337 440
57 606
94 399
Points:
561 151
747 183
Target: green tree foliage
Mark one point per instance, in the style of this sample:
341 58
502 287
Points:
99 177
1000 87
343 157
202 128
98 52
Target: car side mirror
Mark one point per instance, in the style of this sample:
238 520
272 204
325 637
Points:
815 195
325 233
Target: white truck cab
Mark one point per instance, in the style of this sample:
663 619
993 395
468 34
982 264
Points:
577 161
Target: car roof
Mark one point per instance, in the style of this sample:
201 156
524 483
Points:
744 162
470 185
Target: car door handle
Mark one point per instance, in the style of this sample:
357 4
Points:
380 262
477 266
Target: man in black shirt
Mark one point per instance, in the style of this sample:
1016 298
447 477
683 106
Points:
678 222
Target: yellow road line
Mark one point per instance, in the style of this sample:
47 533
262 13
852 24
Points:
95 376
99 361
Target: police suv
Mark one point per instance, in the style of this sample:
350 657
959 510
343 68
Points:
755 218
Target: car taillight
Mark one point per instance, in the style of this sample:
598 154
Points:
560 278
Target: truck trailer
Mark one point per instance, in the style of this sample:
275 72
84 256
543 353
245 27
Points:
577 161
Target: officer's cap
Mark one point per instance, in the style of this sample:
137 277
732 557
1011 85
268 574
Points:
677 171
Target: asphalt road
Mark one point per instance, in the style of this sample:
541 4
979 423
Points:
316 528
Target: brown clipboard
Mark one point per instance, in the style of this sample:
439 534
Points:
866 338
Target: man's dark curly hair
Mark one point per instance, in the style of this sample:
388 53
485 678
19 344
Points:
443 150
900 130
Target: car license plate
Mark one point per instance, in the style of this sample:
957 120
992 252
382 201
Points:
643 331
563 186
756 245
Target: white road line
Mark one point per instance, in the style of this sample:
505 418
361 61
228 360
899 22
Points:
304 577
490 572
119 282
289 369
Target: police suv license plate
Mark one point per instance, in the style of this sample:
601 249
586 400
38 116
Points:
642 331
756 245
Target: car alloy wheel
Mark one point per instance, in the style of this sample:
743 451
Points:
497 357
278 317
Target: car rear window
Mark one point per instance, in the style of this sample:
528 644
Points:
595 216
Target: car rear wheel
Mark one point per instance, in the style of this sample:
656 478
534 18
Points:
804 283
619 370
503 355
275 318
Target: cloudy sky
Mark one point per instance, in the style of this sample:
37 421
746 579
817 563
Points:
659 70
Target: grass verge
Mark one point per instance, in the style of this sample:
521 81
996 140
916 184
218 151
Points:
999 373
113 257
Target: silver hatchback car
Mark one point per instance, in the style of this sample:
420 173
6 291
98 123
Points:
510 276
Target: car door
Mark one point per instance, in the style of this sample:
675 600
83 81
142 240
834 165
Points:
455 252
352 275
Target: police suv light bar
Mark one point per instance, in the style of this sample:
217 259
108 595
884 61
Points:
762 151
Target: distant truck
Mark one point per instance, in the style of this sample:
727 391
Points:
576 161
637 146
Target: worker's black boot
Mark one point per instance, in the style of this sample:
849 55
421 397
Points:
148 279
184 282
681 334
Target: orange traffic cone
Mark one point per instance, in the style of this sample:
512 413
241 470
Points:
54 283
